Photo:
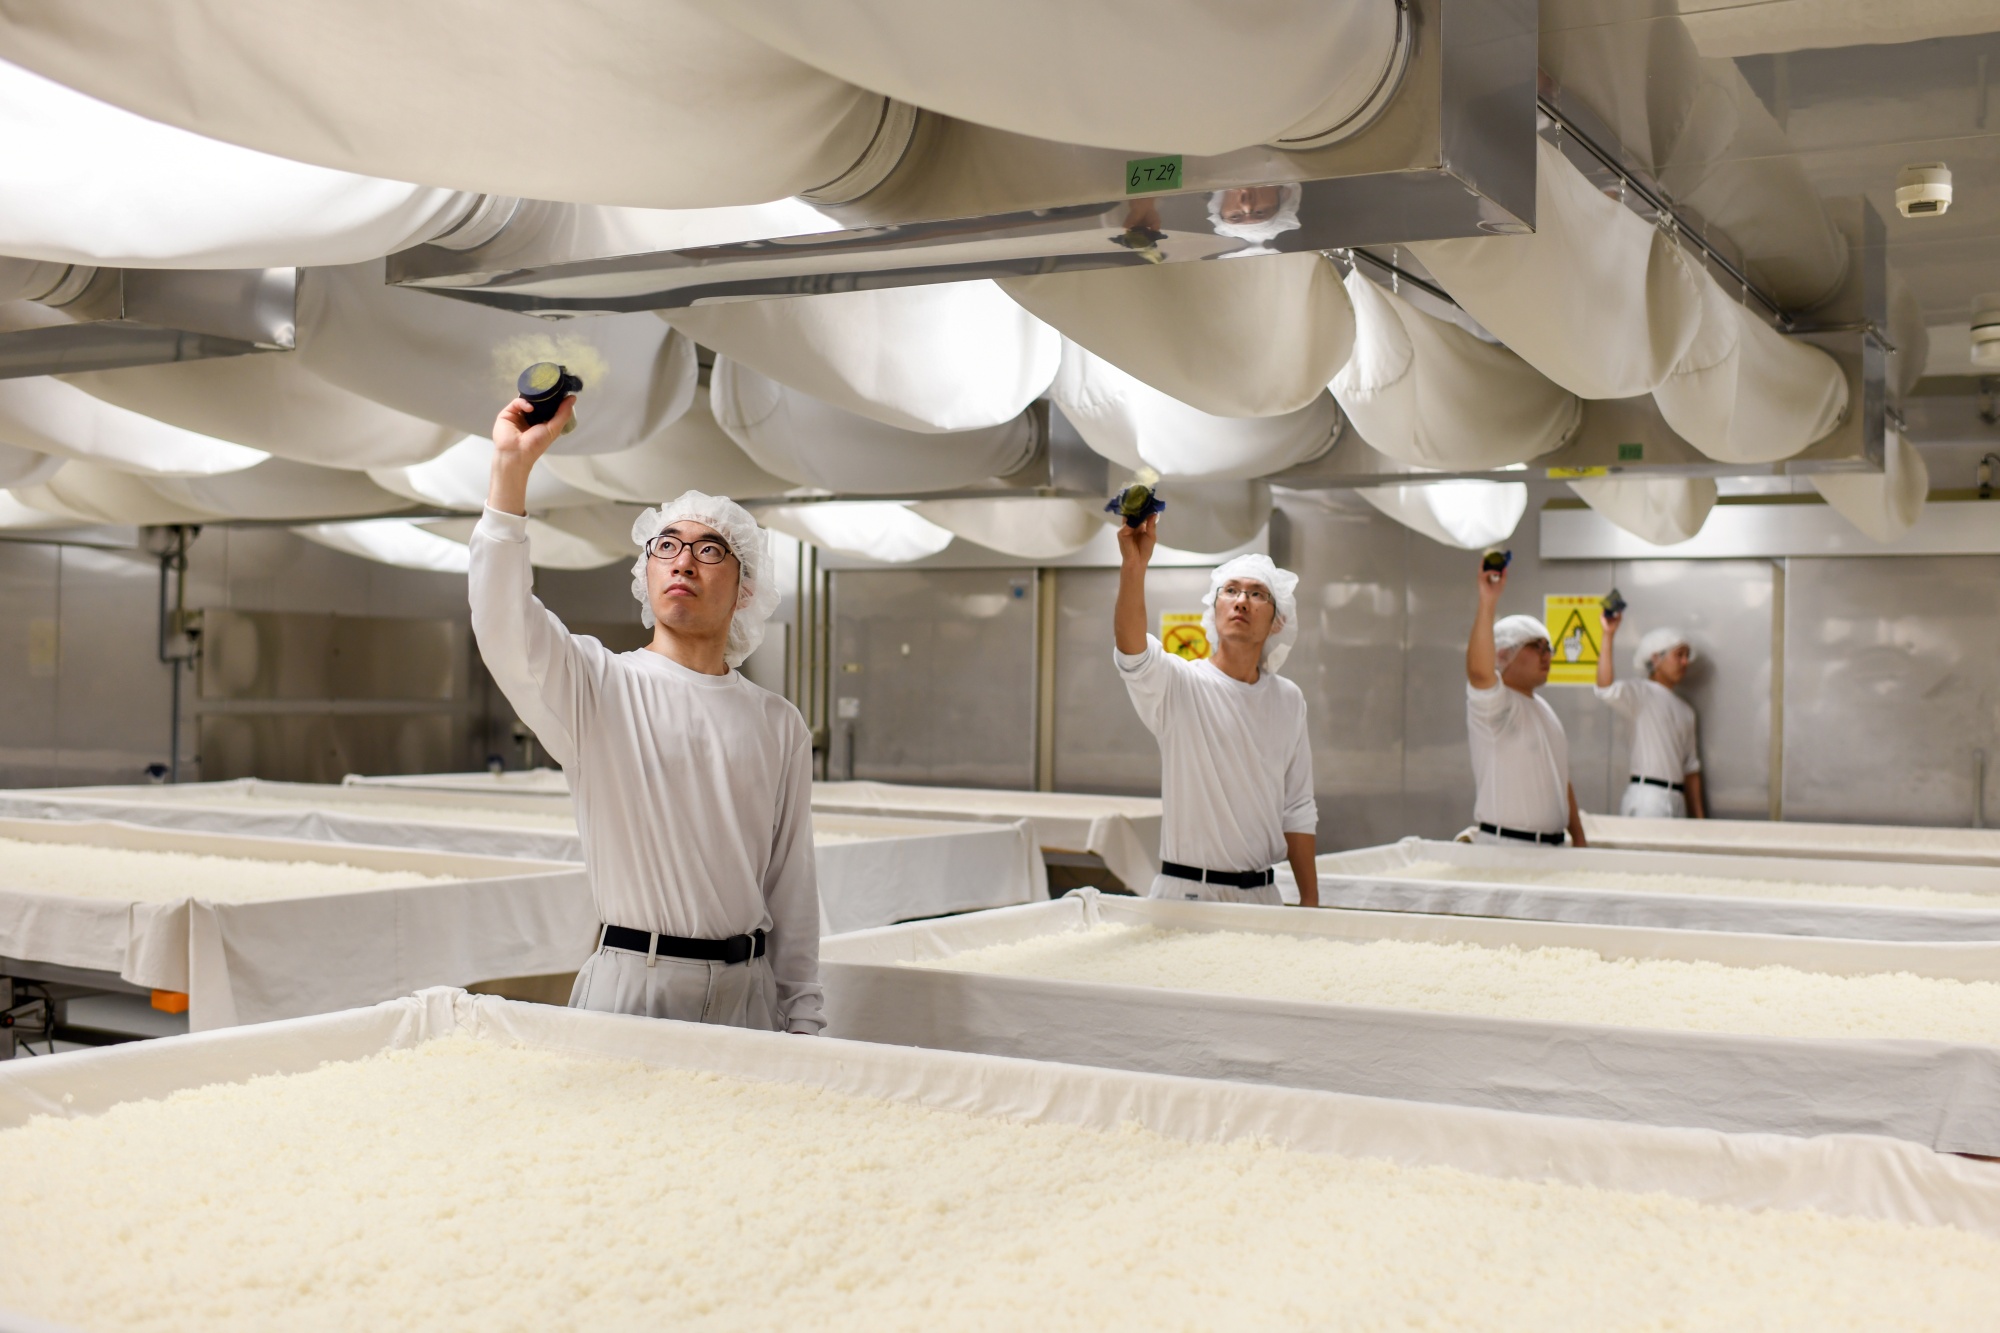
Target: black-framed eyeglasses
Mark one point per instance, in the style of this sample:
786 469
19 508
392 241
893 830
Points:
708 550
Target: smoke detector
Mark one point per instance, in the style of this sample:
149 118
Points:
1986 331
1923 190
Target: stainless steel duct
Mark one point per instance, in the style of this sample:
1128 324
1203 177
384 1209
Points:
1445 149
142 317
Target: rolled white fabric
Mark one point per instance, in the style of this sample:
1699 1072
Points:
51 417
1727 28
1597 300
1257 338
1135 425
1100 74
1426 392
549 547
1039 527
1745 393
652 103
1885 504
1662 510
1208 517
1470 515
93 493
458 479
455 363
391 541
872 529
810 443
935 357
692 453
86 182
25 467
280 488
270 401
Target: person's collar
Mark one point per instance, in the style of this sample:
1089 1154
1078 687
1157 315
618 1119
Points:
655 658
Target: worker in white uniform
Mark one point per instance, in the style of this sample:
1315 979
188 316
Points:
693 787
1666 764
1520 755
1235 763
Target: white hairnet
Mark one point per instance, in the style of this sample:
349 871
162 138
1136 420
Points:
1257 233
1283 585
756 594
1512 633
1659 641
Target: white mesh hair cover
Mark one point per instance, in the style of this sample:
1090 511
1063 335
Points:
756 594
1657 641
1284 589
1511 633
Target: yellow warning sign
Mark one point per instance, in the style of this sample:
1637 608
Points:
1182 635
1576 628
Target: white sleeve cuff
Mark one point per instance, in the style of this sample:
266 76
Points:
502 526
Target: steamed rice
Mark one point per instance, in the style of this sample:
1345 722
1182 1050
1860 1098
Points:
82 870
470 1185
1879 895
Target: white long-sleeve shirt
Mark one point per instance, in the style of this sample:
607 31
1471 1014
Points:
693 792
1520 760
1235 762
1663 728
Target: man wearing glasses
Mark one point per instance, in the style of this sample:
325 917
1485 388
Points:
1235 763
693 787
1520 756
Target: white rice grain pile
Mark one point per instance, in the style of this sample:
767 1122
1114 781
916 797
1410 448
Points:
1879 895
469 1185
1558 985
81 870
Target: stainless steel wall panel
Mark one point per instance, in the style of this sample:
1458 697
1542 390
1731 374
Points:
29 657
325 747
113 693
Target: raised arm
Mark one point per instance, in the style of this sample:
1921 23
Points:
1135 551
1479 657
1607 670
517 447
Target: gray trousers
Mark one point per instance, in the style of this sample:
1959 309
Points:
1194 891
741 995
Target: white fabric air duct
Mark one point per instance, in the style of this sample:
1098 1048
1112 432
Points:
871 529
654 103
1256 338
1135 425
51 417
934 357
1209 517
280 489
391 541
810 443
455 363
1597 300
1029 527
1179 76
1471 515
270 401
458 479
1427 393
1883 505
1745 393
25 467
1731 28
85 182
92 493
1662 510
691 454
16 516
549 547
607 526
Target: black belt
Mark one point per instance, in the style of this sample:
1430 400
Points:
1235 879
1550 839
735 949
1656 782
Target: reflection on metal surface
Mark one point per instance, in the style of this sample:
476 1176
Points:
1451 154
1801 527
272 655
144 317
325 747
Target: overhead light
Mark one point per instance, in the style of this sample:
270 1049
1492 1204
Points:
1923 190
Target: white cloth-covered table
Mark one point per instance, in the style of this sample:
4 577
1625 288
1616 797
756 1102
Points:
1123 830
1944 1095
1358 879
248 962
875 871
1844 1175
544 780
1757 837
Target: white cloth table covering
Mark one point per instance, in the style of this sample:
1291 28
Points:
1357 879
1942 1095
715 117
812 443
875 871
86 182
1757 837
1259 337
1845 1175
456 363
943 356
253 961
544 780
1123 830
272 402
